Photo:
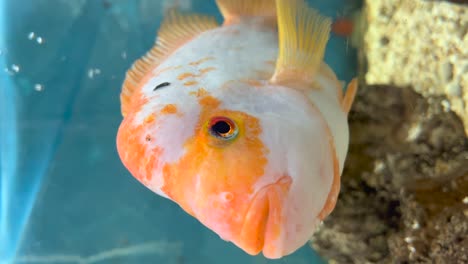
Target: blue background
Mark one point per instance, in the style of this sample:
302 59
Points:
64 195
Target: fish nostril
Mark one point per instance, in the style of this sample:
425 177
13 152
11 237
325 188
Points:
226 196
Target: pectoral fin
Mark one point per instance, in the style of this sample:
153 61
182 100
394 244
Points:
349 96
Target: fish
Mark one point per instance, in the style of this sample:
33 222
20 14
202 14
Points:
242 124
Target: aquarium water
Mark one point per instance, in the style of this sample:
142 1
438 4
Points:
65 196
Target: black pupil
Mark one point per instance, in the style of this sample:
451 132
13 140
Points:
221 127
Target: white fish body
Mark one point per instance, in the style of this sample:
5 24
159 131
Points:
226 124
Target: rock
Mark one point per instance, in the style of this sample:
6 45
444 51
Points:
422 44
404 194
404 184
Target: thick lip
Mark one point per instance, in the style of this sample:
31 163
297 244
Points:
263 220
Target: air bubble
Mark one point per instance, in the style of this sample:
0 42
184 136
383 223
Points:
38 87
15 68
93 72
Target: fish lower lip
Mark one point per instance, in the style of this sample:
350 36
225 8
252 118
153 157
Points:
262 223
252 236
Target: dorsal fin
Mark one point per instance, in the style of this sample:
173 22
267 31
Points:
303 34
234 10
176 30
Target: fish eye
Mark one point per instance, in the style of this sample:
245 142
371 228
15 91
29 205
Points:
223 128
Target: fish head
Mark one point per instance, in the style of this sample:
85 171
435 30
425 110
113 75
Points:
251 161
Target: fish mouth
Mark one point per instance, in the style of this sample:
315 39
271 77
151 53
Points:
262 227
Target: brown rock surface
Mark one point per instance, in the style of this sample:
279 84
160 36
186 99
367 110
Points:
405 184
422 44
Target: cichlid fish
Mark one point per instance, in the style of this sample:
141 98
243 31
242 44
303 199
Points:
241 124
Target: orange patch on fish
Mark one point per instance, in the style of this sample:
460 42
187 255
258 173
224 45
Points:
209 101
193 63
205 70
169 109
150 163
276 195
199 93
137 100
264 220
192 182
150 119
185 75
190 83
159 71
132 148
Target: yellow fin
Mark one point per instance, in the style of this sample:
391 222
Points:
176 30
349 96
233 10
303 36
